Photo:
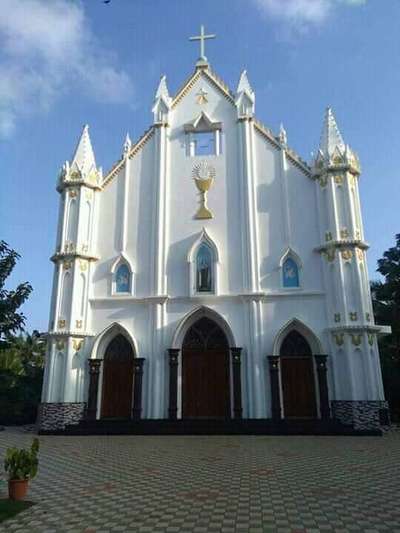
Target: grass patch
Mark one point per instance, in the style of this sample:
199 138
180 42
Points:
10 508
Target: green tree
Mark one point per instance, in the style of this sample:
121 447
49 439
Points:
21 376
11 320
386 303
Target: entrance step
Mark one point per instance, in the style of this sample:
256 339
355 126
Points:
212 427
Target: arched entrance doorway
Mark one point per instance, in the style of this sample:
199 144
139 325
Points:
297 374
117 379
205 371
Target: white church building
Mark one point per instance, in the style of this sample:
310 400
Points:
212 274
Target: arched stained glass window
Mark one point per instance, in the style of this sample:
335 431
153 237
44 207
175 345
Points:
290 273
204 269
122 279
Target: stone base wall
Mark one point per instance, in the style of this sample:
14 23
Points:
362 415
55 416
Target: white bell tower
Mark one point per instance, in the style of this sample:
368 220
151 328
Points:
78 185
352 333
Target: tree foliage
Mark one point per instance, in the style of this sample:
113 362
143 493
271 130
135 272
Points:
11 320
386 303
21 376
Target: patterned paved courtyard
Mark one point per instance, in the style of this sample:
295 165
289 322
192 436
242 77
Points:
211 484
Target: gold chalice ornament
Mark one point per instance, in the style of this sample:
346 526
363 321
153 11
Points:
203 175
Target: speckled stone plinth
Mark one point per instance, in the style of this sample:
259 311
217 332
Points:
362 415
55 416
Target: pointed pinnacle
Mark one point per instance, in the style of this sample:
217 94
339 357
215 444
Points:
331 137
162 89
244 84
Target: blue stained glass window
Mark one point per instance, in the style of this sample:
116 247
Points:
204 281
122 279
290 273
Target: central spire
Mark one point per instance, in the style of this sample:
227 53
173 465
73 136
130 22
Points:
202 38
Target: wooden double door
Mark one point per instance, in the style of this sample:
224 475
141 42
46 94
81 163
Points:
117 396
205 372
298 379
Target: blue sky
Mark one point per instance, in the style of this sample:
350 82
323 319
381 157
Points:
65 63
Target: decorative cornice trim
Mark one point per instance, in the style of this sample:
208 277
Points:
343 243
362 327
71 184
69 333
59 256
160 299
119 165
211 297
292 156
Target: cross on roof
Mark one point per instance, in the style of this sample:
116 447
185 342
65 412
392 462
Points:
202 38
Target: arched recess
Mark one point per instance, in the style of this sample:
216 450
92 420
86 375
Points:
103 339
296 344
199 312
99 351
122 267
181 332
72 221
195 284
303 329
290 270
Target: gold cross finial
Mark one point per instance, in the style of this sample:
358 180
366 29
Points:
202 38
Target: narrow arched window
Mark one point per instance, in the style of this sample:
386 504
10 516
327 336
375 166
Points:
204 269
290 273
122 279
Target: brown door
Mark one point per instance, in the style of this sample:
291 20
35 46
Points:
298 387
297 374
117 379
205 372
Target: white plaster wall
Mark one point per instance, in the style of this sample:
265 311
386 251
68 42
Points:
287 216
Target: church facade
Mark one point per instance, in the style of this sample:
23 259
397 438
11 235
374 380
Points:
212 273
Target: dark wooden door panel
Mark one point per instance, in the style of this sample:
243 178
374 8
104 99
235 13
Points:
205 383
298 387
117 379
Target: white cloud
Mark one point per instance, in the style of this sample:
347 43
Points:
301 14
48 47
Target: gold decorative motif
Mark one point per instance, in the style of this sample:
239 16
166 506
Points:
60 345
61 323
75 175
67 265
77 344
353 316
93 177
82 265
78 324
85 248
203 175
328 236
347 254
338 179
370 339
323 181
358 234
339 338
337 160
352 180
368 317
344 233
72 193
330 254
337 317
356 338
201 97
360 254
